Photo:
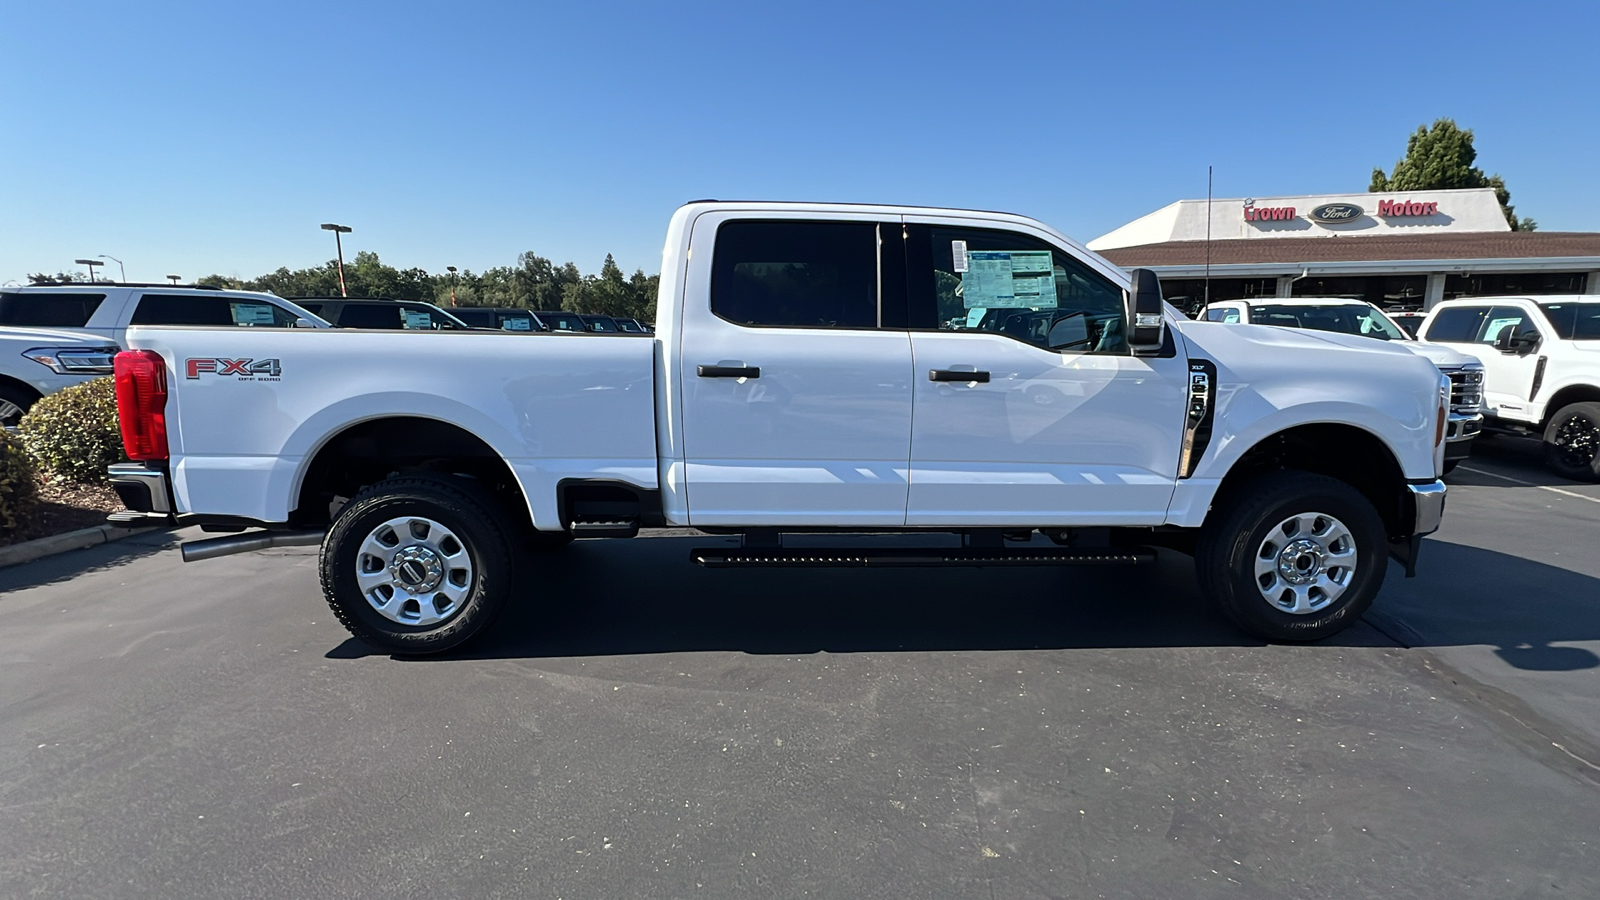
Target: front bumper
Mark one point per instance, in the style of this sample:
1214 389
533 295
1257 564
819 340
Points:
146 492
1427 501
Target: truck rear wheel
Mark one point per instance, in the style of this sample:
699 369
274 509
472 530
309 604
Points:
1292 556
418 564
1572 442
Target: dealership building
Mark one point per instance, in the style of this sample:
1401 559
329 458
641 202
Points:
1400 250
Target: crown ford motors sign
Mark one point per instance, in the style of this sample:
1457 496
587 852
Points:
1334 213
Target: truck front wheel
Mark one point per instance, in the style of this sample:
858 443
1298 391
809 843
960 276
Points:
1572 442
418 564
1292 556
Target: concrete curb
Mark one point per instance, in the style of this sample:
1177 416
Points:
39 548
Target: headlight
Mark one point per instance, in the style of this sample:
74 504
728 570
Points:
74 360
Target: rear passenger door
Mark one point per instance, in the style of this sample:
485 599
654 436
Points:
796 392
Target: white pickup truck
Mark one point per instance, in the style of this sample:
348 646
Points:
815 367
1541 356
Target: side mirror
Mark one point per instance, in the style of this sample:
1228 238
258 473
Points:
1514 340
303 322
1068 332
1147 323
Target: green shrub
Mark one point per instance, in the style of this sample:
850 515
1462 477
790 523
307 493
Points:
73 434
17 488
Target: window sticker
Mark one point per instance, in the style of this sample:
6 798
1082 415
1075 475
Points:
1492 333
414 319
958 252
517 324
251 313
1009 278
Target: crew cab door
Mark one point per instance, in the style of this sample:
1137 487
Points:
1509 375
796 402
1058 423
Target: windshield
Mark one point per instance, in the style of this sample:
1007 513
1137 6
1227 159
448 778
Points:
1366 321
1574 321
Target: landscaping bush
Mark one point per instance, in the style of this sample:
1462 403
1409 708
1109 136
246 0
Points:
73 434
17 487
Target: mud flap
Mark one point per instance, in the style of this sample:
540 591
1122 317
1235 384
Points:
1404 551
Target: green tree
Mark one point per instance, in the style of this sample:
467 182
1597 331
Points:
1440 158
58 278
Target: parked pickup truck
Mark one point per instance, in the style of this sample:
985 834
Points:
1347 316
815 367
1541 356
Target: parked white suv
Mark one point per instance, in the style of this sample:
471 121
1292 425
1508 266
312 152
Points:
106 310
36 361
1541 356
1346 316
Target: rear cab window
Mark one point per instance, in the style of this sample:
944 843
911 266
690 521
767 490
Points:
1573 321
48 309
796 274
200 309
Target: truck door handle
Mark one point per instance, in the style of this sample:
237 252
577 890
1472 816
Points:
957 375
728 371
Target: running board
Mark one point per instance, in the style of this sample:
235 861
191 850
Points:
888 557
604 528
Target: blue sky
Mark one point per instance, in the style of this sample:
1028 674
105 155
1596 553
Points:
194 138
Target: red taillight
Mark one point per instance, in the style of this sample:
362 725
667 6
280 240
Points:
141 377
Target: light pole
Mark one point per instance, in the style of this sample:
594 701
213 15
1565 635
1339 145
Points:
173 278
338 230
91 263
452 271
120 267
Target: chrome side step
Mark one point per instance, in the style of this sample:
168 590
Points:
211 548
889 557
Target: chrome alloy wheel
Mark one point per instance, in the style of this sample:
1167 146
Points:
1305 563
414 571
10 413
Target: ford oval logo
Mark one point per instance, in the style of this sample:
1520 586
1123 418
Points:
1337 212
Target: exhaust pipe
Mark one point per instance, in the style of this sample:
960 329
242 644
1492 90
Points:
211 548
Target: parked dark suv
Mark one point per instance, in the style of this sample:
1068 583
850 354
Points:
501 317
396 315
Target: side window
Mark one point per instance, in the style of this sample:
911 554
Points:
1012 284
796 274
189 309
1456 324
1502 319
1223 314
48 310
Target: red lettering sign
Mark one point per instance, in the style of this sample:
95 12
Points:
1407 208
1268 213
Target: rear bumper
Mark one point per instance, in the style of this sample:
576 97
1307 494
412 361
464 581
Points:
145 490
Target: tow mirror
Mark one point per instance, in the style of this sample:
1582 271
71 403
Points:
1148 325
1514 340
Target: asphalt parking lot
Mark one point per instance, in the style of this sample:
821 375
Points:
640 727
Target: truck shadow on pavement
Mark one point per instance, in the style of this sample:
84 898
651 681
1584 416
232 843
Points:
605 598
600 598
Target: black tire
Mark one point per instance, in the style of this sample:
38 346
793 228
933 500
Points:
1239 525
1572 442
469 513
15 401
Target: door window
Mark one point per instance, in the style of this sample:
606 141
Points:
1503 320
190 309
48 310
1456 324
1226 314
796 274
1006 283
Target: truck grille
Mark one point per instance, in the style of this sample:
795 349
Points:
1466 391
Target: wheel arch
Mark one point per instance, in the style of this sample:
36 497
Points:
365 452
1566 396
1349 453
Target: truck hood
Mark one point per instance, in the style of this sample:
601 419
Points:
49 337
1289 338
1443 357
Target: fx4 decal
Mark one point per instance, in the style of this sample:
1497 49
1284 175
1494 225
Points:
244 369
